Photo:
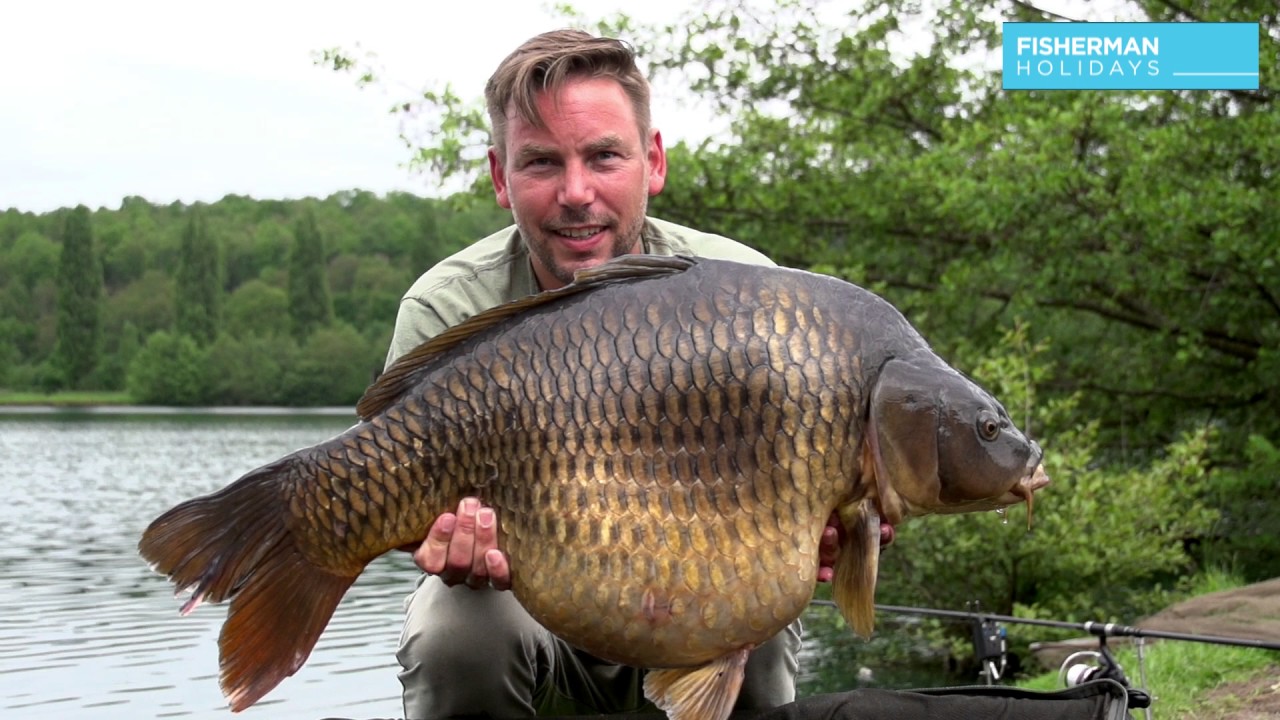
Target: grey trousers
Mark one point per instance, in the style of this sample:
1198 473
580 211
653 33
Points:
471 652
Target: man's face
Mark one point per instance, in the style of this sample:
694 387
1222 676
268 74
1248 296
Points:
578 188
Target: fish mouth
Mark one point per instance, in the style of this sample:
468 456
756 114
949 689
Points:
1022 491
1025 490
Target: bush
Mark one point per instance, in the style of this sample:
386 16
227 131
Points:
250 370
334 367
168 370
1245 538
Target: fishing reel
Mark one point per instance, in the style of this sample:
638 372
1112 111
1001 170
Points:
1086 665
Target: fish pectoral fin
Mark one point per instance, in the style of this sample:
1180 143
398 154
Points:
707 692
854 587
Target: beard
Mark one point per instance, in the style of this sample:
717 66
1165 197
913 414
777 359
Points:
536 238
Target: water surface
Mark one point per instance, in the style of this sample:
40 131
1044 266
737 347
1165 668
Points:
88 631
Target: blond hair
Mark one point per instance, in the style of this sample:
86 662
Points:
544 62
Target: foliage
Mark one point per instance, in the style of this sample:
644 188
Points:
257 308
199 281
376 247
1107 543
1245 538
79 302
147 303
169 370
1134 225
335 367
250 369
32 258
310 307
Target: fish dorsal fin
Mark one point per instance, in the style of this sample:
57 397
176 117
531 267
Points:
403 375
706 692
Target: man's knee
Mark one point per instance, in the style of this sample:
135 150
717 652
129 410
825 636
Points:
770 677
467 652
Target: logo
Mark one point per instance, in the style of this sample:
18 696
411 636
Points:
1130 56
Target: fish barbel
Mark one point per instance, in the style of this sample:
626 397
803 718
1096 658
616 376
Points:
664 441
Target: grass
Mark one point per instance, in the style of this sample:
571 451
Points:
1180 673
65 399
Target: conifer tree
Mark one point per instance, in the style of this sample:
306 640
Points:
199 282
310 306
79 320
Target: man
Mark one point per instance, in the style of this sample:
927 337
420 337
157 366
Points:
575 159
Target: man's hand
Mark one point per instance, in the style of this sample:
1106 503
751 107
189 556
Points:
829 546
462 547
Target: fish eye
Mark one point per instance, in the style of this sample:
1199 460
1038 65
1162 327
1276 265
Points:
988 426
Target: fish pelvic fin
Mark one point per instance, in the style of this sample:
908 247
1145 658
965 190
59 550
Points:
706 692
854 586
234 544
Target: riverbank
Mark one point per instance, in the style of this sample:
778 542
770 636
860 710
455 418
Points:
64 399
1251 612
1202 681
120 403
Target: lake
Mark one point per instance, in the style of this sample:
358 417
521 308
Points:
88 631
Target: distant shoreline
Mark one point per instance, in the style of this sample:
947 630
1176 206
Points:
89 409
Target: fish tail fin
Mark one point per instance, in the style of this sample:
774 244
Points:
235 544
854 587
707 692
274 623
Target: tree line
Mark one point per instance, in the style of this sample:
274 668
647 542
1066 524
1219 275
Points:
236 302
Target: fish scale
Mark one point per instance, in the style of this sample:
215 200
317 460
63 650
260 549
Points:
752 420
664 441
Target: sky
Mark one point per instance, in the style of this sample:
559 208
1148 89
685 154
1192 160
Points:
191 101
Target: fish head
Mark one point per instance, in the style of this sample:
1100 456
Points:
942 444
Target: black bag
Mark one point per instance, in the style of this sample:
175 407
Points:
1095 700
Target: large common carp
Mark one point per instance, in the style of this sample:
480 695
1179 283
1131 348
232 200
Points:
664 441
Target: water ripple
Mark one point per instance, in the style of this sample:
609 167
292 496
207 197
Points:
87 628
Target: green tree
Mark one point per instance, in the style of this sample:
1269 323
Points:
259 309
113 372
32 258
79 302
1245 539
169 369
1132 225
199 281
148 303
251 370
333 367
310 307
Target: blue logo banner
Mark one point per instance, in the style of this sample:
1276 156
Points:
1130 56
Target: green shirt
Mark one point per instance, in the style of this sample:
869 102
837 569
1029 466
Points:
497 270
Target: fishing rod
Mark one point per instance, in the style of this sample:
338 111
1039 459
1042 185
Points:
1089 627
